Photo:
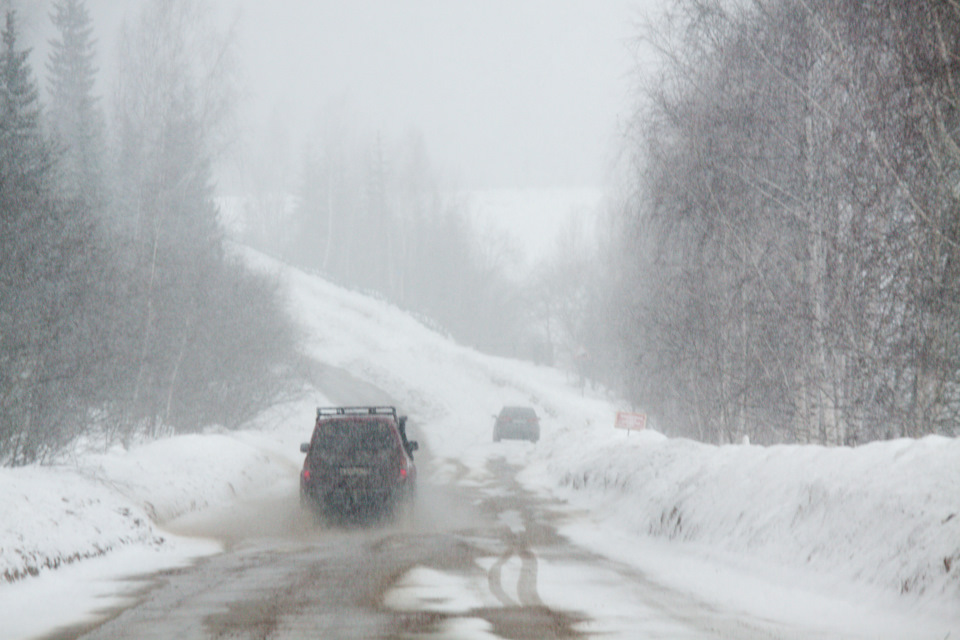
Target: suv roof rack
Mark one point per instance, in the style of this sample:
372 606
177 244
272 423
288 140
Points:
342 411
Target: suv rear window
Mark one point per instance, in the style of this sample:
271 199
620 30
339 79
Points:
343 437
518 412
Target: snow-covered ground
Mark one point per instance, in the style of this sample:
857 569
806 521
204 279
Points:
815 531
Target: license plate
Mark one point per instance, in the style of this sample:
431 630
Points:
354 471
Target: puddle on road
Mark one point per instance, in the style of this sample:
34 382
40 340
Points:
274 514
285 575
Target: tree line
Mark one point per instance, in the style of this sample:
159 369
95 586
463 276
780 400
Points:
788 262
369 212
122 312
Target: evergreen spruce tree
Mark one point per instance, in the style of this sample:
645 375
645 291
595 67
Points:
23 156
24 164
75 119
77 128
42 362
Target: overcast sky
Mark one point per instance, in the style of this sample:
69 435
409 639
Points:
506 93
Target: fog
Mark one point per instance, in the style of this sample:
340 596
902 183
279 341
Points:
504 93
346 138
366 141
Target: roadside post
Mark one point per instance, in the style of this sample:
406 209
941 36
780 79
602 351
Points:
631 421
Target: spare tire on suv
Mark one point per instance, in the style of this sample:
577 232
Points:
358 462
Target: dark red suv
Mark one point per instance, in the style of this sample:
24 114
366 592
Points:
358 462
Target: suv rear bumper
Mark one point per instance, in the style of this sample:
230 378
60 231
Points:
346 498
518 432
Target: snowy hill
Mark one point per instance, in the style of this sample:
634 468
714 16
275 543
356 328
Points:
882 519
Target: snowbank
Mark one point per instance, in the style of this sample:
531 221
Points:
886 514
58 514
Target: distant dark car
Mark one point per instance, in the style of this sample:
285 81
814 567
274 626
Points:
358 462
517 423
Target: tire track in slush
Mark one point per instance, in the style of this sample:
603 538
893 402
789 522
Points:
517 543
527 580
494 579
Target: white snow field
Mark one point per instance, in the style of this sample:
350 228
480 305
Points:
864 540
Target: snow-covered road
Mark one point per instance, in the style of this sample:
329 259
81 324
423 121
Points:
480 558
630 535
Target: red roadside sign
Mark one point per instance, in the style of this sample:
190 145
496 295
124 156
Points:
631 421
